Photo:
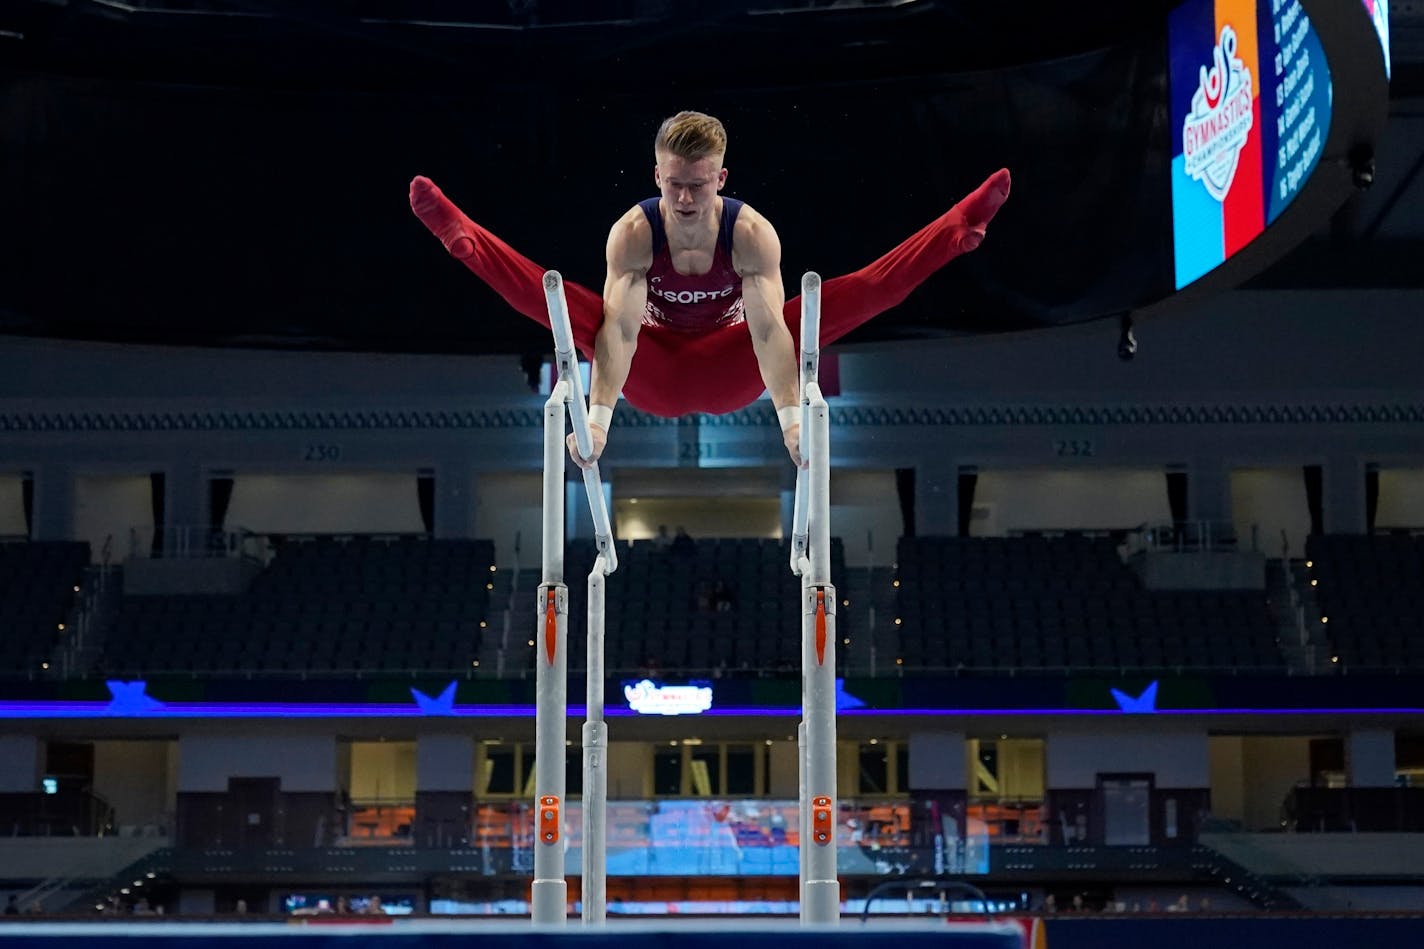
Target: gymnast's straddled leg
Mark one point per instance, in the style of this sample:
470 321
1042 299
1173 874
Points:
509 273
850 300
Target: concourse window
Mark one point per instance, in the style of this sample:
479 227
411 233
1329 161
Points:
742 770
874 765
667 770
882 767
694 768
504 769
705 770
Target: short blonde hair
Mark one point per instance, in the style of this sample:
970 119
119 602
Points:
691 136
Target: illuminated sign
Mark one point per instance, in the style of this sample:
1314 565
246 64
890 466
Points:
646 698
1250 98
1379 16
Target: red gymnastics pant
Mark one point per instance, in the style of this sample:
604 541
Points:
673 372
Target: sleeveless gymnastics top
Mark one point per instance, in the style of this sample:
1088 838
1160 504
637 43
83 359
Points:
693 303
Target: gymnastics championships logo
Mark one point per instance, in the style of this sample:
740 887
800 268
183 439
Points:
1216 129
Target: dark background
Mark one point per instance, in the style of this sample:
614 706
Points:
235 173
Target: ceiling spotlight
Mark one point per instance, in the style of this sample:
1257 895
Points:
1362 166
1127 340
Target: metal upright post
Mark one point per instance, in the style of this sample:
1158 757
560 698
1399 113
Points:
803 799
595 760
811 560
549 897
818 655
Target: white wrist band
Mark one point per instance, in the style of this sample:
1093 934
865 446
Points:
601 415
789 416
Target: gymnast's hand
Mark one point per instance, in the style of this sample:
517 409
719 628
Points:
792 437
600 438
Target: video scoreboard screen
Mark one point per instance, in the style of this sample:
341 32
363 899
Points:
1379 16
1250 112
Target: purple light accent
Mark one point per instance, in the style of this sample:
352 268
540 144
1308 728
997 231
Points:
1118 713
41 710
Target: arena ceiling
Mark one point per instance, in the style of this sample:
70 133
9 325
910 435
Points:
233 172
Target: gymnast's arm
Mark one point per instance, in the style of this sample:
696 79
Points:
756 255
625 297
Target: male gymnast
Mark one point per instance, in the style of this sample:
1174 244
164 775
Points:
692 279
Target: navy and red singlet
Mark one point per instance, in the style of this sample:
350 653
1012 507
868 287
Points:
687 302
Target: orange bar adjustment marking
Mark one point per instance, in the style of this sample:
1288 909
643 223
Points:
548 819
551 627
820 627
821 820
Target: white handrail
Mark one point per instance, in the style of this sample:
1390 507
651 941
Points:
808 372
810 329
566 360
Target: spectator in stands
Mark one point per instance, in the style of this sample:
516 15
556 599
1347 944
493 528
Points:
12 908
662 540
374 907
240 907
682 544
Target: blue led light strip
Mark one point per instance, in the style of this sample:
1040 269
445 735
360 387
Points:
129 699
235 710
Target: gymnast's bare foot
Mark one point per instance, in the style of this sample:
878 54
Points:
443 219
978 209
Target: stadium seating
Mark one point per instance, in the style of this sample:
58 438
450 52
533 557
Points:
1050 603
1371 589
38 583
723 607
667 611
356 604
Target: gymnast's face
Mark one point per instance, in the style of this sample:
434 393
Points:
689 188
